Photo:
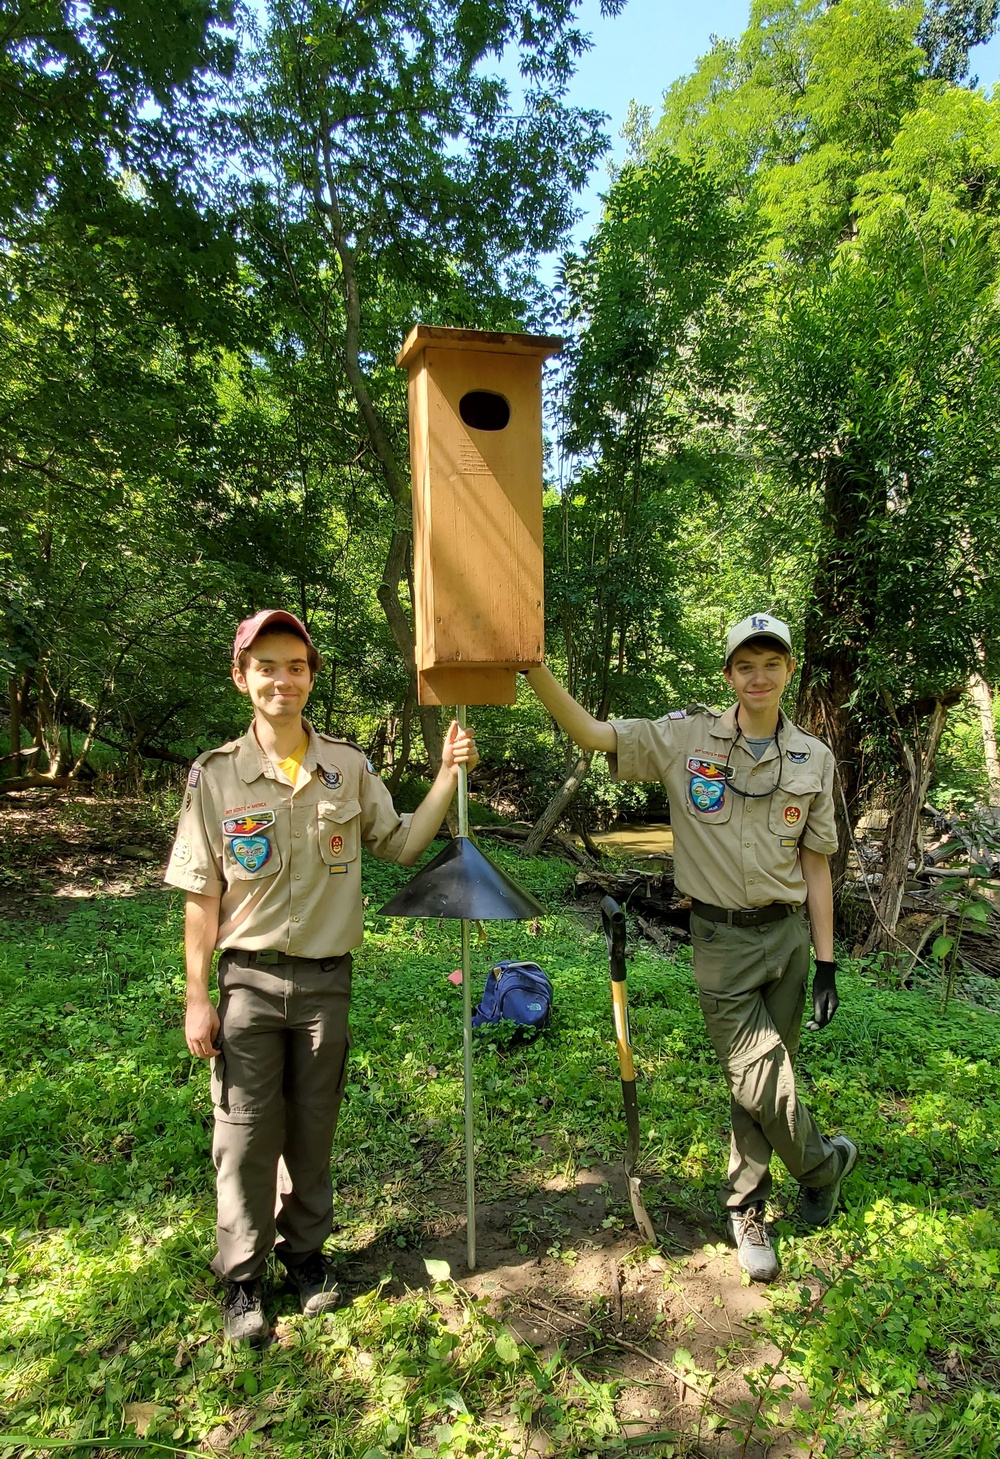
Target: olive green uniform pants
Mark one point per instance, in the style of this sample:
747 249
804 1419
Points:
752 988
276 1086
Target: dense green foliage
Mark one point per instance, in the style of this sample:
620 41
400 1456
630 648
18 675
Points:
107 1228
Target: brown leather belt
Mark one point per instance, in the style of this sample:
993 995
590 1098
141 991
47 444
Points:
748 917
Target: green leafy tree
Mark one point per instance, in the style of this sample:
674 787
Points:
388 180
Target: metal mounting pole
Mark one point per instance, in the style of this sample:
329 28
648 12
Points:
470 1131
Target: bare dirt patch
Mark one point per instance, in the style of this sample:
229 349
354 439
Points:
58 848
560 1268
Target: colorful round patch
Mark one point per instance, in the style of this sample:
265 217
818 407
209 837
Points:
252 852
330 778
336 845
707 795
793 815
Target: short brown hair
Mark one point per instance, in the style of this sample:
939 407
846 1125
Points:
312 656
763 640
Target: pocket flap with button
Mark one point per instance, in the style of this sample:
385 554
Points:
790 804
337 824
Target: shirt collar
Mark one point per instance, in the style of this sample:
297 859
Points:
726 728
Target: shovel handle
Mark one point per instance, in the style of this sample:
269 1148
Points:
613 919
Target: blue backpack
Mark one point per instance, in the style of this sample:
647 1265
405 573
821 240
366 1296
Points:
518 992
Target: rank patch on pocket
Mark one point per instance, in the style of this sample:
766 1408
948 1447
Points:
336 845
252 852
793 815
340 870
247 825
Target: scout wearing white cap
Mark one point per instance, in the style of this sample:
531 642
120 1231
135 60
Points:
752 816
758 625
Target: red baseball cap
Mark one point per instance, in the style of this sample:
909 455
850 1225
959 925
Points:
267 618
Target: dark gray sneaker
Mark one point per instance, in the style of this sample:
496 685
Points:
754 1251
818 1203
243 1317
315 1280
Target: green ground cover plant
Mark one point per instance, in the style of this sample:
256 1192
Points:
888 1323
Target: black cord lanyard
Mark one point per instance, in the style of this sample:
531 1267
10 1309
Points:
753 794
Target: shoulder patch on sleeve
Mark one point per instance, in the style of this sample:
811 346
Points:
677 714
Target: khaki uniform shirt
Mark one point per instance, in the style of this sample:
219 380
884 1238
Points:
729 851
286 866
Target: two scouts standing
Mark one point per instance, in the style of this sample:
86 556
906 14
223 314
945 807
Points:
268 851
751 809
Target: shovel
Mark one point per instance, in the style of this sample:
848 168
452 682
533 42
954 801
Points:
613 919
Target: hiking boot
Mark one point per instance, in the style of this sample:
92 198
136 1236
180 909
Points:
243 1317
314 1278
818 1203
754 1251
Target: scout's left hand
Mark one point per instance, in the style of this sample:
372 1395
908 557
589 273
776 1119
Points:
825 1000
459 748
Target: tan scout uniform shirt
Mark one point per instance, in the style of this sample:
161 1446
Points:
286 865
729 851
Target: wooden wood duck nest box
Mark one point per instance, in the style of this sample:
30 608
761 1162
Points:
475 407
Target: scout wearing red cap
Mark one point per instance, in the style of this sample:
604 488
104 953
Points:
267 618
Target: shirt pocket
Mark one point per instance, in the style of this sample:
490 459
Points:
708 796
338 826
789 809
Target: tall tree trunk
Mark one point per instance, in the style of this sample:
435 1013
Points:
900 842
558 805
838 625
15 723
982 697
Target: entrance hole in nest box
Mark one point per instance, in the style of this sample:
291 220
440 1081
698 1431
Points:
484 410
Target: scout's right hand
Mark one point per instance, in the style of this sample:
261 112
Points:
201 1028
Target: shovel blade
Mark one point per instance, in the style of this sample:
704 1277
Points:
640 1213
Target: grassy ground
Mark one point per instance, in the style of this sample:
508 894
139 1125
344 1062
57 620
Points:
882 1339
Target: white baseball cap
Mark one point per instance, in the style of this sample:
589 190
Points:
758 625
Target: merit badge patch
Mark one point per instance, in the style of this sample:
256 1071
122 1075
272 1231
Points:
336 845
793 815
252 852
194 775
340 870
247 825
330 778
182 851
797 756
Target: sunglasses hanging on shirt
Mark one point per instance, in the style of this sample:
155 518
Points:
752 794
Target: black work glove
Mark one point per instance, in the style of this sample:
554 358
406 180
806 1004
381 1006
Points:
825 1000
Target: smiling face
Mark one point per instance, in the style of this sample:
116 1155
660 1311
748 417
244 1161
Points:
758 674
276 676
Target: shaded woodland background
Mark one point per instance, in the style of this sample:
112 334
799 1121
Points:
781 387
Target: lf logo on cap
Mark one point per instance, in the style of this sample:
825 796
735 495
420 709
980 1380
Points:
758 622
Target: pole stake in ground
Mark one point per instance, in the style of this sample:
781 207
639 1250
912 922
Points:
613 919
